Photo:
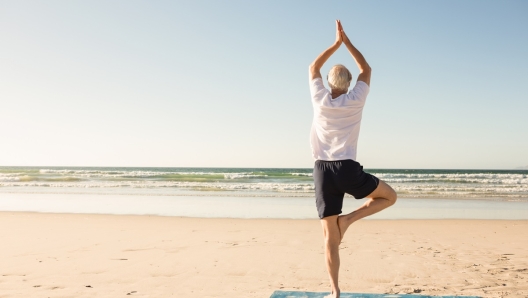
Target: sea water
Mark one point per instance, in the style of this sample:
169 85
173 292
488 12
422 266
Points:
255 192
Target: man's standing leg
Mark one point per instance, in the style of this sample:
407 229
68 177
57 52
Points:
332 239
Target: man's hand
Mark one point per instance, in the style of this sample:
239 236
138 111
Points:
344 37
339 32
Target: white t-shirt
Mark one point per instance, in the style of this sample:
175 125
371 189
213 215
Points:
336 122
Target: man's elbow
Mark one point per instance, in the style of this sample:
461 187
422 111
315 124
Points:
314 71
313 68
366 69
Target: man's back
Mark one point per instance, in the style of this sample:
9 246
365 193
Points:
336 123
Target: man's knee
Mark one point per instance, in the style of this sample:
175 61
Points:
387 192
393 196
332 238
332 244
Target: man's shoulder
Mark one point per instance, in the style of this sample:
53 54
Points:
316 81
360 91
362 85
317 89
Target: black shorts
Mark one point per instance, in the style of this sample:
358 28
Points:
333 179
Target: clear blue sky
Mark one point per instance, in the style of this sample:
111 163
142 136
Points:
225 83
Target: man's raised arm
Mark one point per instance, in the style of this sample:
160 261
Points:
364 67
315 67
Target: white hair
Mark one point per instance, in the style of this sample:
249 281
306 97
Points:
339 77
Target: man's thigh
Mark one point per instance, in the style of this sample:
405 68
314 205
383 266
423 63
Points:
383 191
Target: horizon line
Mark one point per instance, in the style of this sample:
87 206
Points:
525 168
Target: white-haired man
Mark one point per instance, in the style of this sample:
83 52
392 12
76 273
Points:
334 135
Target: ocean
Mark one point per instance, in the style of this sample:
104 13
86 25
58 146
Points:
179 191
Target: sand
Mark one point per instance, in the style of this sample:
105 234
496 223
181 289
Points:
78 255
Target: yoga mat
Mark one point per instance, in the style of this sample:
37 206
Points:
296 294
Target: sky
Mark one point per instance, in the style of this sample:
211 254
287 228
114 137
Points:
225 83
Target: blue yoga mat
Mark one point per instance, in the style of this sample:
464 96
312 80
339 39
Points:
296 294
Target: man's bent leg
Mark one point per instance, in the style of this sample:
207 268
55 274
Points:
332 238
382 197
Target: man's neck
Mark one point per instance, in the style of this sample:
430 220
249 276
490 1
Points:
337 93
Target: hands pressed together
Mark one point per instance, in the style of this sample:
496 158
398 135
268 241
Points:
340 34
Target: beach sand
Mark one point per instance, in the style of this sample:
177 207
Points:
79 255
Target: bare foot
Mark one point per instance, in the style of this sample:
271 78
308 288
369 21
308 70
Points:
334 294
343 224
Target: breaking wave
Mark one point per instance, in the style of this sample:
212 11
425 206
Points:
509 185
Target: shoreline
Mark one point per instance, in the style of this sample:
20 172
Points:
370 218
252 207
230 193
98 255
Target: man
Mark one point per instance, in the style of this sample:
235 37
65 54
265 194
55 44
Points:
334 135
